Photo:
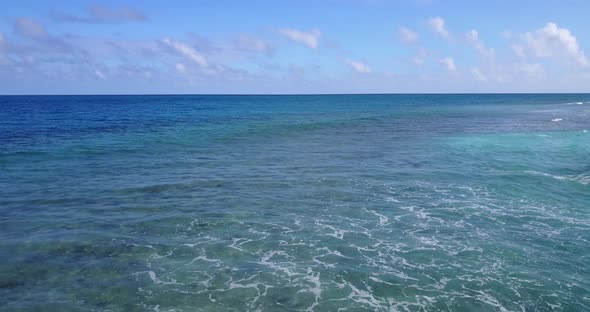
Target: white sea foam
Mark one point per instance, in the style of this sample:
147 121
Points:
252 285
377 280
158 256
374 243
362 296
233 285
428 240
580 178
316 288
490 300
383 220
284 266
328 252
392 199
338 233
238 242
157 280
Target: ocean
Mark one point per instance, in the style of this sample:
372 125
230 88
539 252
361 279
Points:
467 202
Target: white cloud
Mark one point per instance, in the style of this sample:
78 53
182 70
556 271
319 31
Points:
419 59
100 74
180 68
472 35
552 41
2 42
186 51
3 46
101 14
478 75
310 38
437 24
518 72
44 41
407 35
507 34
247 43
519 51
473 39
530 70
449 63
359 67
29 28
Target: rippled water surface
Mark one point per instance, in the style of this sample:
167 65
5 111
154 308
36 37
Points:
295 203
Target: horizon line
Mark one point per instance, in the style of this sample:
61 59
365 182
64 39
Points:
298 94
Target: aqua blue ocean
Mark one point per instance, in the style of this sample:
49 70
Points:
295 203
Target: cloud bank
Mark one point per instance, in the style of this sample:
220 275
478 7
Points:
554 41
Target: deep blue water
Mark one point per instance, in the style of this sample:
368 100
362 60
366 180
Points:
295 203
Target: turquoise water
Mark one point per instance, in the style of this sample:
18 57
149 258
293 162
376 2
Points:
295 203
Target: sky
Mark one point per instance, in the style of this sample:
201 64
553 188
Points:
293 47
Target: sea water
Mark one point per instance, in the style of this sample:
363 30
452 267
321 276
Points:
295 203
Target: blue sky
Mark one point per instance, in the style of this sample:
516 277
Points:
329 46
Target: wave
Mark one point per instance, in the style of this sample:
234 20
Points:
583 178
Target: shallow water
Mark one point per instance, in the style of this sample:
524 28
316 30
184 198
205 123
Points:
295 203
